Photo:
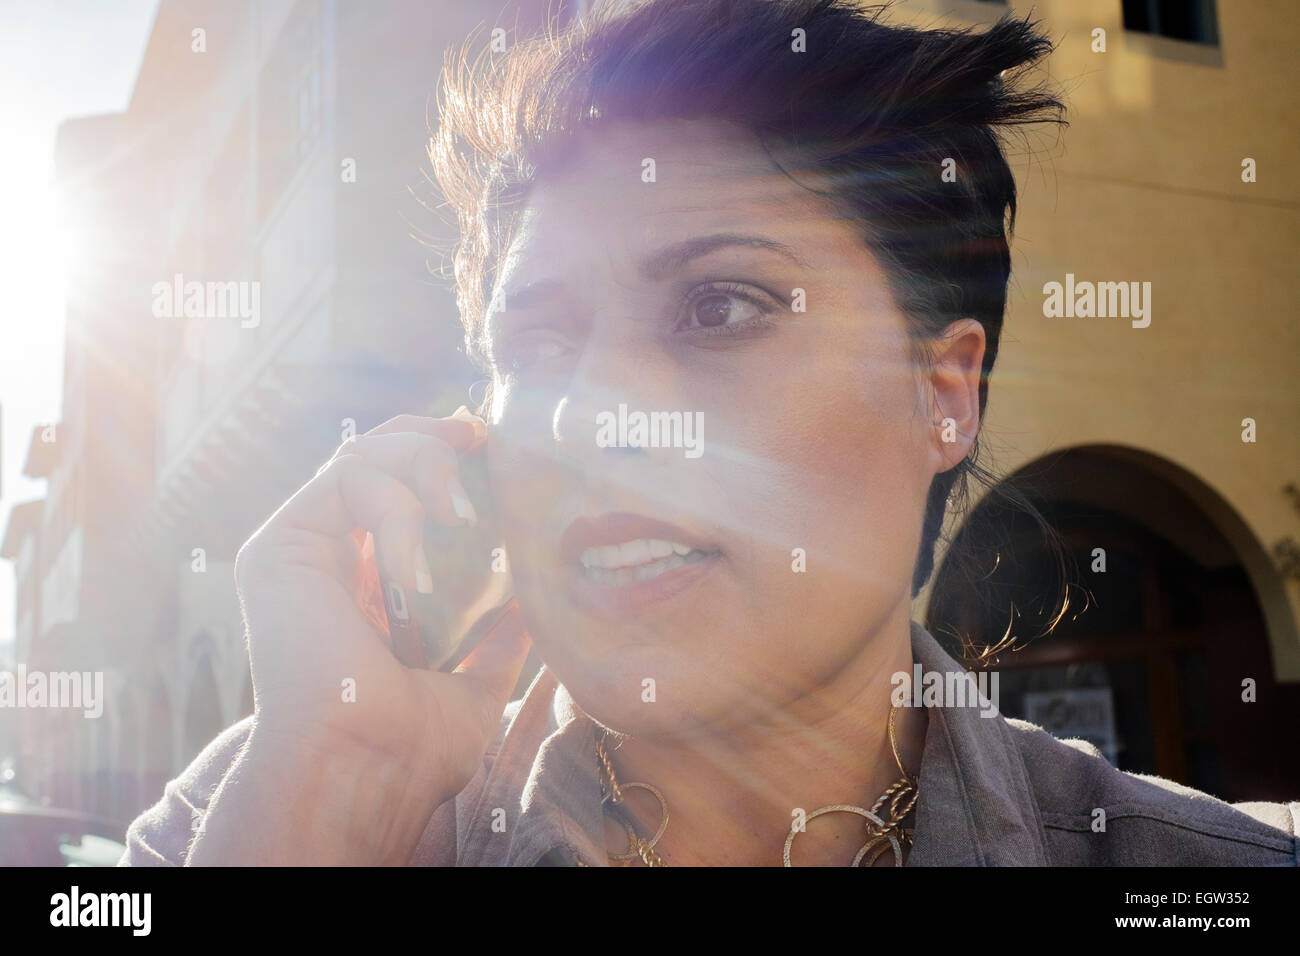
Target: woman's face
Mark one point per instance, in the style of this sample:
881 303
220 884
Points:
813 435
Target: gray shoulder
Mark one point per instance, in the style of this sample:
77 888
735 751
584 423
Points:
1094 814
160 836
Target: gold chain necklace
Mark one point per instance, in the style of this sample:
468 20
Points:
881 834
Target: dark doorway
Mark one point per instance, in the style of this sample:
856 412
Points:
1149 660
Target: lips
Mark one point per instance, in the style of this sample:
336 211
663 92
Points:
644 587
619 527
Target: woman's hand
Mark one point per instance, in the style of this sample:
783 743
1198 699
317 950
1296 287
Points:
348 745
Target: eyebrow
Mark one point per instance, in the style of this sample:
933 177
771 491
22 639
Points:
663 263
671 258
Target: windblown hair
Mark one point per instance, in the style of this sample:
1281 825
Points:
872 109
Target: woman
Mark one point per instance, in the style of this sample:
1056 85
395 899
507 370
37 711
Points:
784 222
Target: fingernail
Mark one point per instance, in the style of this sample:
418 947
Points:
460 502
423 576
463 414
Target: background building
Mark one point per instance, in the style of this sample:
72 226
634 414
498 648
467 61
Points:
1130 439
290 152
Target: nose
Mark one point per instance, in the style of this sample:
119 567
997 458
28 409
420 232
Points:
615 380
582 423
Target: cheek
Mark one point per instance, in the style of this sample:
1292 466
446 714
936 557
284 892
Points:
846 460
517 460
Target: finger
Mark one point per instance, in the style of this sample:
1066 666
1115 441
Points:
351 492
427 464
495 665
461 430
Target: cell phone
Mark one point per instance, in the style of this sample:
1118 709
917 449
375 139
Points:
472 588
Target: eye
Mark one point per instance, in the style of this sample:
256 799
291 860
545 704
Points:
723 307
527 348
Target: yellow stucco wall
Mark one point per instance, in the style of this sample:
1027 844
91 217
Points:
1145 185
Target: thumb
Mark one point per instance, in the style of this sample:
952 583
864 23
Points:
498 660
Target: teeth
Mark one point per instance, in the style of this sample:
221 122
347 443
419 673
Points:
660 548
621 577
634 552
642 552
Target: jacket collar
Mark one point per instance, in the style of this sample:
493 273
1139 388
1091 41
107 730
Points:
554 785
976 807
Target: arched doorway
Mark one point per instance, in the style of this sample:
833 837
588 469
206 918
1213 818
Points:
1164 625
202 708
128 762
158 757
99 769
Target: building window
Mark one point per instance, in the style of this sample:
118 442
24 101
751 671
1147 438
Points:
226 194
290 107
1192 20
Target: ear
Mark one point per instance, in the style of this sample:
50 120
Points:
954 386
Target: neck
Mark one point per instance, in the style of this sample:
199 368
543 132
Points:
732 791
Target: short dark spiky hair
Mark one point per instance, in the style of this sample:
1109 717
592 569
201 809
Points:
873 108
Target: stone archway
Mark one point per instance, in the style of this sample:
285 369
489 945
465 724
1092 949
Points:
1150 657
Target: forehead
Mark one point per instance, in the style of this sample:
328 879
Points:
708 176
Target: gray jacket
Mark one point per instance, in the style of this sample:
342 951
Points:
995 791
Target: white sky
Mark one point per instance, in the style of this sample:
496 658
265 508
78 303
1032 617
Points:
58 59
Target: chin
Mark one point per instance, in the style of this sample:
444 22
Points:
618 695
